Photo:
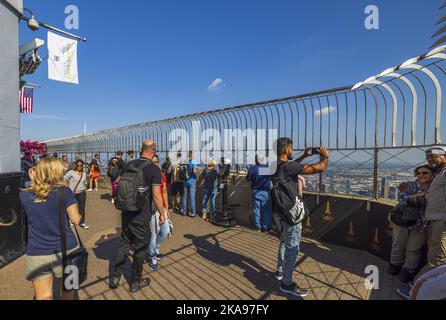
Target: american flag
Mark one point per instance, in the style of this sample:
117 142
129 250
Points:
26 100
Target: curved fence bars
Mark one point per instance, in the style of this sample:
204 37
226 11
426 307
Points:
399 109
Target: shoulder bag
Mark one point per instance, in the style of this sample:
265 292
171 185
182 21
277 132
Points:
77 258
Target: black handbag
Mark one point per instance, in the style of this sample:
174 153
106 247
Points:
405 216
77 258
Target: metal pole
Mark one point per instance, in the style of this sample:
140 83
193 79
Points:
320 183
375 175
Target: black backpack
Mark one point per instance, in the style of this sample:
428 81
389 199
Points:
132 193
184 173
286 200
165 170
405 216
113 172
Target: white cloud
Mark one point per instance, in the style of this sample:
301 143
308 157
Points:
216 85
325 111
46 117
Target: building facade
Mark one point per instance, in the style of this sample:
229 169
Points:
9 86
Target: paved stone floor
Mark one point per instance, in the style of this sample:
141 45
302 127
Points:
207 262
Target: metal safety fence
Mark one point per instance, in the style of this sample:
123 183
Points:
376 130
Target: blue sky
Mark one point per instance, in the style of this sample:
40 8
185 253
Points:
156 59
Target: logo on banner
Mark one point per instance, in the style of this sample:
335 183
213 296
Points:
62 59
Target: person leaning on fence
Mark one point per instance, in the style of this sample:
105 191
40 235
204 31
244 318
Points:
289 210
159 224
408 242
177 190
43 259
189 179
260 185
77 180
210 177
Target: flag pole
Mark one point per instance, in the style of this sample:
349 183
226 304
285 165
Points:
63 32
32 85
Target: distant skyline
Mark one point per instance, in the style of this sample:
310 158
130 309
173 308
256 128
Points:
155 60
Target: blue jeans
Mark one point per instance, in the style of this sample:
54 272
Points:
209 194
261 210
157 238
189 188
289 250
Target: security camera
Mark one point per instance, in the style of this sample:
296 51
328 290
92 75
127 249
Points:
33 24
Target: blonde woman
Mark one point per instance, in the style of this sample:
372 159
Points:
43 259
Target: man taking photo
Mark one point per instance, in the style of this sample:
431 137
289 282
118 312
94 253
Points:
289 209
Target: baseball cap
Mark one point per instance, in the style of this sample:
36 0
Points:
436 151
261 159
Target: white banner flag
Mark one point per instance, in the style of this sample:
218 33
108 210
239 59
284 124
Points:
62 59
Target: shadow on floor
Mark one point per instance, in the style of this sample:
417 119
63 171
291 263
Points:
106 248
106 196
209 248
351 262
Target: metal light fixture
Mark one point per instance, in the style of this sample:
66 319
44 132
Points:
33 24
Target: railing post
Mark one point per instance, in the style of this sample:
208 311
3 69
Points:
375 175
320 183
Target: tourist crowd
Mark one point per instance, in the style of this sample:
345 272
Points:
146 192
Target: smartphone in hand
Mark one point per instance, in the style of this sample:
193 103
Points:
314 151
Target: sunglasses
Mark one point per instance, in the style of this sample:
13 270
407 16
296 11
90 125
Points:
433 156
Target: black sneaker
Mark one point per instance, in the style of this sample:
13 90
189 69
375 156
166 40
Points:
406 276
294 290
394 270
279 276
114 282
138 285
